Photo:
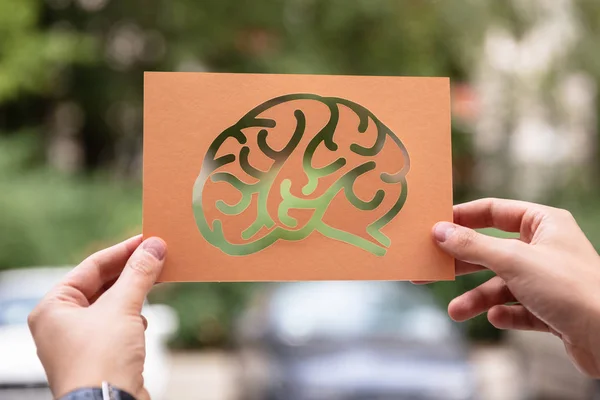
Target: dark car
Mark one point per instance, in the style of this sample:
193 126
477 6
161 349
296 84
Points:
351 341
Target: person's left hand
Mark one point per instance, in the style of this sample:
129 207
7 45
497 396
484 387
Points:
89 328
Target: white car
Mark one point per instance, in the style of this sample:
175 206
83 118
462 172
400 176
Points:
21 374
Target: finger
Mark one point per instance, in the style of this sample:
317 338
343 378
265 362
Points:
100 268
462 268
502 256
139 275
480 299
506 215
100 292
516 317
466 268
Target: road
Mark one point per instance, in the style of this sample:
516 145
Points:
212 375
528 358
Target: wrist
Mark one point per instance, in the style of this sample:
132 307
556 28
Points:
71 380
105 392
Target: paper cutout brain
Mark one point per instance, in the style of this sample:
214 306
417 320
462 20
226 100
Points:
301 165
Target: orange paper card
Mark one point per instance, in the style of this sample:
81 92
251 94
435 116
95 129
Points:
297 177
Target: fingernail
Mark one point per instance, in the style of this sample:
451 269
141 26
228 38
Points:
156 247
443 230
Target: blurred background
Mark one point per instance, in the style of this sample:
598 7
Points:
525 76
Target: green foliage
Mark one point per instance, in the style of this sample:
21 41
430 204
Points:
378 37
47 218
207 311
30 58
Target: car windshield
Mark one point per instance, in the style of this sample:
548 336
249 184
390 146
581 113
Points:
15 311
349 309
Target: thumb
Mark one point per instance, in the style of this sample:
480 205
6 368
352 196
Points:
499 255
139 275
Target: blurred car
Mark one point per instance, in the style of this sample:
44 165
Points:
351 341
21 374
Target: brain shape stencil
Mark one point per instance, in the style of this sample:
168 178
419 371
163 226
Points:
301 165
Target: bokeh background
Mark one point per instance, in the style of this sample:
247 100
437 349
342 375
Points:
525 77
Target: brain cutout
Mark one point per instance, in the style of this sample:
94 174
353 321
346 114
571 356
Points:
298 165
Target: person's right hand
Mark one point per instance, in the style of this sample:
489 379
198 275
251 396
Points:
552 273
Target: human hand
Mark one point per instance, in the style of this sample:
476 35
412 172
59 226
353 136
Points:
552 273
89 329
